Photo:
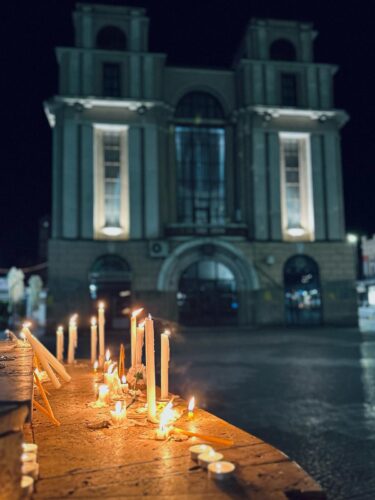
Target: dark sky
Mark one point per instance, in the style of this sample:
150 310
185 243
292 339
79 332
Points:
195 32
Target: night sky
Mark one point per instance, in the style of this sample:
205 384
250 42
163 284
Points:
192 33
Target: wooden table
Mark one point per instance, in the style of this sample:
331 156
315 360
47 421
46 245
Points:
117 463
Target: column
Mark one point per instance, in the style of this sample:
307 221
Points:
87 181
70 180
260 186
151 152
333 191
274 185
135 182
318 186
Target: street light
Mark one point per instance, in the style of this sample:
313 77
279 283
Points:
352 238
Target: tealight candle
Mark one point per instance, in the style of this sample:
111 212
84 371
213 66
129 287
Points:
197 449
27 486
204 459
220 470
119 414
28 457
30 469
191 407
30 447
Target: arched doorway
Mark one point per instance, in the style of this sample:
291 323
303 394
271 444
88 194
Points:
207 294
110 282
303 304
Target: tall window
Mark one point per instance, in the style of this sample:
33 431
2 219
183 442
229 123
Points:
111 80
200 159
289 91
296 187
111 201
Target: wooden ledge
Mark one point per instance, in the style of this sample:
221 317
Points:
118 463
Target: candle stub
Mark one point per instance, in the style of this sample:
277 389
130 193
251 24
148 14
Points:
209 457
30 447
28 456
30 469
220 470
27 486
197 449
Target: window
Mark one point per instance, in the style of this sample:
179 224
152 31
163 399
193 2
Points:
289 89
200 153
111 80
111 202
296 194
200 160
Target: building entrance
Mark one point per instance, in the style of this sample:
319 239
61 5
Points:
207 295
303 304
110 282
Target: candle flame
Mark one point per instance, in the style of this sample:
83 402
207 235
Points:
167 332
22 336
60 329
103 389
110 369
191 405
141 325
93 321
107 355
212 453
123 379
27 324
118 407
101 306
73 319
136 312
166 416
149 316
96 365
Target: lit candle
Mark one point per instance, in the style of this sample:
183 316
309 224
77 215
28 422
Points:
133 335
94 339
101 322
166 417
139 343
197 449
220 470
209 457
96 366
28 456
108 377
118 416
72 338
124 385
150 369
191 407
165 354
107 361
60 343
103 394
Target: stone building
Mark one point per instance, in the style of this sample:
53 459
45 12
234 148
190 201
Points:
206 195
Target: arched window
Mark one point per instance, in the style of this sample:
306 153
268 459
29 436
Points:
200 160
110 282
111 38
207 294
282 50
199 105
303 305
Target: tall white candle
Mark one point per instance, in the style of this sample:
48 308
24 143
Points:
165 355
133 335
60 343
72 338
139 344
101 322
150 369
94 339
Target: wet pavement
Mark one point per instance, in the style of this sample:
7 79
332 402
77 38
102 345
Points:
309 392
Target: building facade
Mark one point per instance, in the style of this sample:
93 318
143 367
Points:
206 195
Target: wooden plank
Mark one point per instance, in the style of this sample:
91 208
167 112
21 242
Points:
16 375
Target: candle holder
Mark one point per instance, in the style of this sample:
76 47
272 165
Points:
204 459
221 471
198 449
